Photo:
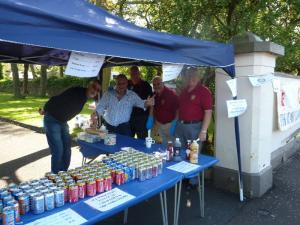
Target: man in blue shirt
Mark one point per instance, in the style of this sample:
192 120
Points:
116 106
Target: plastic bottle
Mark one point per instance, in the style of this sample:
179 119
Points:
177 148
194 152
170 151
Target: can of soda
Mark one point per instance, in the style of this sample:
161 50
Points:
8 216
49 200
6 199
91 187
118 177
16 208
142 173
73 193
59 197
24 203
31 196
1 209
99 184
38 204
108 183
4 193
81 189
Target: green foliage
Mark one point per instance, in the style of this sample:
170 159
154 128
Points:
1 71
220 20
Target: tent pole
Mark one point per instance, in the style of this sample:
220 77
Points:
238 149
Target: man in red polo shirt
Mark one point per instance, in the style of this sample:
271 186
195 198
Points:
195 110
165 107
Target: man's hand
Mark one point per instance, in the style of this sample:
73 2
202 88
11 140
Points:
41 111
202 136
150 101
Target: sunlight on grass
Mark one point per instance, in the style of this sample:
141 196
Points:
26 110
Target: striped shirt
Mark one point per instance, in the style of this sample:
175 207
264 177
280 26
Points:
117 111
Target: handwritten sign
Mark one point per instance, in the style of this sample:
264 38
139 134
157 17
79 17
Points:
171 71
109 200
236 107
232 86
84 65
183 167
65 217
257 81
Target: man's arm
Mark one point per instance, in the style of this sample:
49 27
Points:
205 124
103 104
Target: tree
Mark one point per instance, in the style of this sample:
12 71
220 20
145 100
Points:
16 81
33 71
1 71
61 71
43 81
25 79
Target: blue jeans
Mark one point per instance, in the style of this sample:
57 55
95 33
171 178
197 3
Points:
59 141
123 128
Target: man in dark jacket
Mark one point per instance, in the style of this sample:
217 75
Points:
139 116
57 111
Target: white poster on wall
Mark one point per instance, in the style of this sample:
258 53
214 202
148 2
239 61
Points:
236 107
288 105
260 80
84 65
232 86
171 71
276 84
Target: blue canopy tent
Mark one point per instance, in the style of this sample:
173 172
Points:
46 32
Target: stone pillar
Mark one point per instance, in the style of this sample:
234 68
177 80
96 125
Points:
253 57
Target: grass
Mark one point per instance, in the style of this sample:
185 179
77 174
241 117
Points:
26 110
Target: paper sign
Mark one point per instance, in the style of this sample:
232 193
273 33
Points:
84 65
171 71
236 107
276 85
65 217
183 167
109 200
232 86
257 81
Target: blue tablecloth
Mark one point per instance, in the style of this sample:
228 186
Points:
94 149
141 190
91 150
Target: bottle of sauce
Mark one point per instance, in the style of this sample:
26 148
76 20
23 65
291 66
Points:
194 152
177 148
188 149
170 151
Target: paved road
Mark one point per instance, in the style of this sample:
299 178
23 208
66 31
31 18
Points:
24 155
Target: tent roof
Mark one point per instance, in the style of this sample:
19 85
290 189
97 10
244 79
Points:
45 32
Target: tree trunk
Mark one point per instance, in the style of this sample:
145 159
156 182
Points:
25 79
61 71
15 74
43 81
1 71
33 71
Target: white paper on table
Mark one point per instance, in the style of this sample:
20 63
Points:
171 71
84 65
183 167
257 81
276 84
236 107
232 86
109 200
65 217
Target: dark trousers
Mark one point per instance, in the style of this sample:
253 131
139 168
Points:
123 128
138 126
59 141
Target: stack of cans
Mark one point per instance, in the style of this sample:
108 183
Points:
54 190
131 164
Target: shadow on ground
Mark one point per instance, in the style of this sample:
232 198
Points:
8 169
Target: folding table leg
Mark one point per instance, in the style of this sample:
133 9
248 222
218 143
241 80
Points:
201 192
166 207
125 219
178 201
162 208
